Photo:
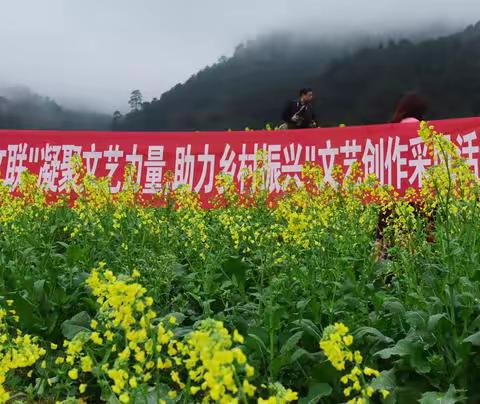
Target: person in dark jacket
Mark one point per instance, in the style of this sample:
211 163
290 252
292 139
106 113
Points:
298 114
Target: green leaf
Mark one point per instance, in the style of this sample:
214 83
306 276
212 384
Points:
112 399
394 306
473 339
316 391
26 311
64 245
40 385
40 292
412 350
363 331
401 348
39 289
276 365
259 342
419 362
416 319
298 354
434 320
309 327
78 323
74 254
152 396
291 342
301 304
385 381
235 267
452 396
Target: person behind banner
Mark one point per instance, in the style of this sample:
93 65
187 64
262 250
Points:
298 114
411 108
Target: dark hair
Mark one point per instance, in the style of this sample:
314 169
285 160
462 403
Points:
410 106
305 90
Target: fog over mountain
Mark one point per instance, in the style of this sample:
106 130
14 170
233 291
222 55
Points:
90 54
358 82
20 108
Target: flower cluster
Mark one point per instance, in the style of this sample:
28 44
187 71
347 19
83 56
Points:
214 366
138 348
335 344
16 349
451 175
129 350
280 395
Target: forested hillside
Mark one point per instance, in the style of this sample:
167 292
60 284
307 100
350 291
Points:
356 81
352 87
20 108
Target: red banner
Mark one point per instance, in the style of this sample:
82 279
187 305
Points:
393 152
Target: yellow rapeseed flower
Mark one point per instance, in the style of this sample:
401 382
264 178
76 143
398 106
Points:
73 374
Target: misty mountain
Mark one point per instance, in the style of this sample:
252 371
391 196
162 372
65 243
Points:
357 82
20 108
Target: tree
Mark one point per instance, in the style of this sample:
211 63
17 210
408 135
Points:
136 100
116 120
117 115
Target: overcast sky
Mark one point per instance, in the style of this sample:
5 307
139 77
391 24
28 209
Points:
95 52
